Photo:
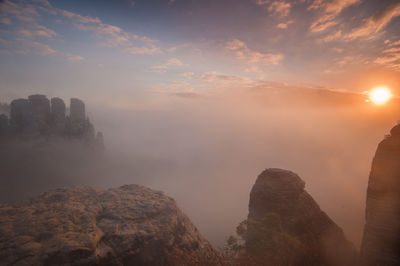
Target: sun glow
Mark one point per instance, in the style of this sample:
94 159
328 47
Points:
380 95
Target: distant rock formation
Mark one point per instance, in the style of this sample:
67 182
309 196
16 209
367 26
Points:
39 117
77 110
381 241
131 225
281 193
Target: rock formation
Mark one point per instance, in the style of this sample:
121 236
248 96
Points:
281 193
77 110
381 241
20 116
3 125
131 225
36 117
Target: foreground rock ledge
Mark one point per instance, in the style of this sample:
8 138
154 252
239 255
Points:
130 225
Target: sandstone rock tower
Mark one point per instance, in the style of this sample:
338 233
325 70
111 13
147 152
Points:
381 241
281 193
37 117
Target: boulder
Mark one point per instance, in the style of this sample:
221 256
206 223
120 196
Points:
381 240
130 225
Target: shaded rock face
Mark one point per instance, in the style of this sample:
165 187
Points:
58 109
131 225
20 115
77 110
381 240
281 192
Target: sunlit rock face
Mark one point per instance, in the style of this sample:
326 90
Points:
381 241
130 225
281 192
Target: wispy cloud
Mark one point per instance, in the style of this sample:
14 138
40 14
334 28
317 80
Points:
45 50
376 23
220 80
110 35
284 25
37 31
390 56
172 62
113 35
280 8
242 52
21 12
330 9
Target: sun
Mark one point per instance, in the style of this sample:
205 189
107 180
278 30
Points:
380 95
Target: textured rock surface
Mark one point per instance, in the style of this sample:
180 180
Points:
381 241
282 192
131 225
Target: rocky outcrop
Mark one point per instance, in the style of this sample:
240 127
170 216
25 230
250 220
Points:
36 117
381 240
281 193
130 225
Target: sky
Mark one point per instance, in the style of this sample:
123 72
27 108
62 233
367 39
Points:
139 52
197 97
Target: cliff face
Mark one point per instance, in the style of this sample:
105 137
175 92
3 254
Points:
381 241
281 193
131 225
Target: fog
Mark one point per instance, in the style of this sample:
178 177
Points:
206 152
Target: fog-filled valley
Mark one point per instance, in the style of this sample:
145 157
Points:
206 153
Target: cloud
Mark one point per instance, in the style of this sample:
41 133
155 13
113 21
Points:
78 18
46 50
22 12
172 62
330 10
242 52
187 74
222 80
390 56
113 35
333 36
279 8
37 31
284 25
375 23
395 43
5 20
